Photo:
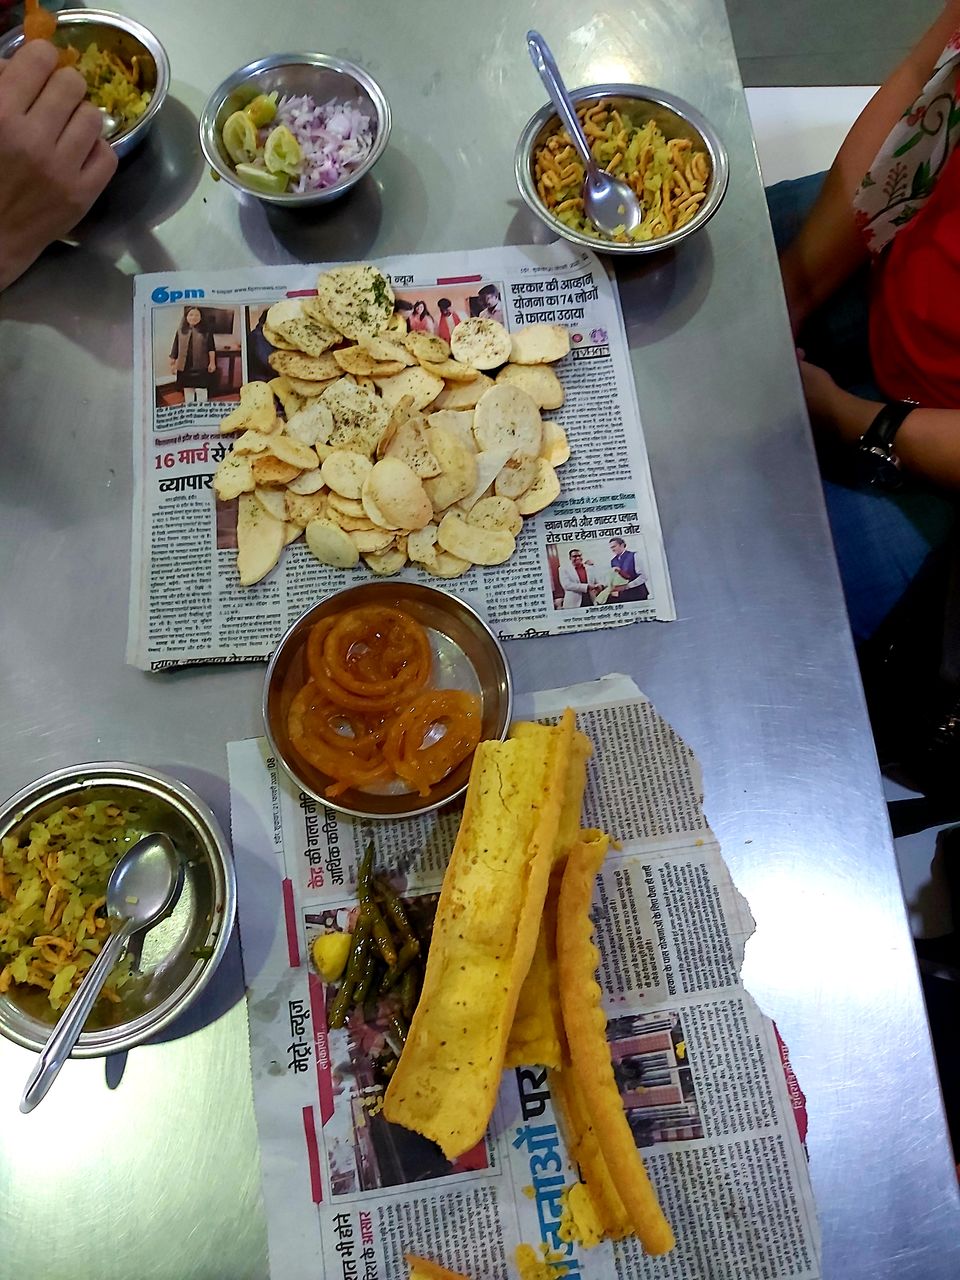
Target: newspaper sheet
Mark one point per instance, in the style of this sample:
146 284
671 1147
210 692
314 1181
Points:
705 1080
186 603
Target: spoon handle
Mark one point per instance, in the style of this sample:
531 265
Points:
546 68
67 1031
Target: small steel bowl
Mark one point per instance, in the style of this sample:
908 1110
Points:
467 655
181 953
323 78
675 118
113 33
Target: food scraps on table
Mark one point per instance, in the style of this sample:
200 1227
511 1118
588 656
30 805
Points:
669 177
53 884
387 446
292 143
111 83
366 714
384 961
496 993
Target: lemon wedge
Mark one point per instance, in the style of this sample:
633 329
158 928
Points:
262 109
240 138
268 184
281 153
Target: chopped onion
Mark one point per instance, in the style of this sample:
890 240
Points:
335 139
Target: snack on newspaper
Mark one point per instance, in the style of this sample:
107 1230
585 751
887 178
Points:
445 1086
355 447
423 1269
600 1135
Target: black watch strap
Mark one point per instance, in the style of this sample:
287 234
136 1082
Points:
883 429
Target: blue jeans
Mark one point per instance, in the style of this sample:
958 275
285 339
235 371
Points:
881 539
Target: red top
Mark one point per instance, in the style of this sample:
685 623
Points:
915 306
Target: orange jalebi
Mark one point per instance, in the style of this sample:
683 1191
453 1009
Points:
364 716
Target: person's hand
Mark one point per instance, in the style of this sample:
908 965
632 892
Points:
837 416
53 160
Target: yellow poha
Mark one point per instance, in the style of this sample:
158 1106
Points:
112 86
53 888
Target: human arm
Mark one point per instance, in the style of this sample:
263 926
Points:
928 442
211 354
829 247
52 157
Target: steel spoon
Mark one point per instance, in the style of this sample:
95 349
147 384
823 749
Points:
109 125
607 202
142 888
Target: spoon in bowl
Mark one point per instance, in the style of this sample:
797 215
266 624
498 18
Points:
142 888
609 203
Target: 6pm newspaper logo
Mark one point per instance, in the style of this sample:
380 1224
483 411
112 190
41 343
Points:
163 294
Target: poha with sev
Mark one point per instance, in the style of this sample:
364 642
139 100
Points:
52 895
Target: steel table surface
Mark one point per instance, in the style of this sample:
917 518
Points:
158 1176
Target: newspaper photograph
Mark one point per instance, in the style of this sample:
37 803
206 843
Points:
705 1081
594 558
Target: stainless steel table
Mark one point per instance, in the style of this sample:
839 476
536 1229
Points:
158 1177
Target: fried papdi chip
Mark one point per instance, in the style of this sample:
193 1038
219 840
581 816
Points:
307 387
386 563
344 472
516 477
544 490
445 1084
489 464
251 442
307 482
508 416
331 545
283 389
277 340
426 346
310 368
372 541
255 412
462 395
356 300
585 1026
447 566
295 452
266 468
347 506
409 444
386 347
538 380
458 469
539 344
234 476
397 492
301 508
459 422
312 425
359 418
422 545
272 501
307 334
358 361
480 342
554 447
421 386
496 513
450 370
260 539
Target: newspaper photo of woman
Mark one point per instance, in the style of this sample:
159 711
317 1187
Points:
193 357
420 320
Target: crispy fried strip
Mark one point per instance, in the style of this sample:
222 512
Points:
424 1269
585 1025
485 933
581 1139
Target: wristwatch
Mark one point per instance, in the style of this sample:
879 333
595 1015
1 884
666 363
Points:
877 463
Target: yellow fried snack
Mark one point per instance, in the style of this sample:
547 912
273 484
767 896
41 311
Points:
488 917
584 1149
585 1025
424 1269
530 1266
537 1032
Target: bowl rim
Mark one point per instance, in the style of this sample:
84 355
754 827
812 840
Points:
426 806
720 167
110 18
138 1030
326 61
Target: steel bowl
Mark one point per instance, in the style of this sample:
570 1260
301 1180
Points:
180 954
676 119
317 74
114 33
467 655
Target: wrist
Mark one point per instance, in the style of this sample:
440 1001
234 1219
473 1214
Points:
854 414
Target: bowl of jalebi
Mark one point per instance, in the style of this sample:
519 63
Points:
376 698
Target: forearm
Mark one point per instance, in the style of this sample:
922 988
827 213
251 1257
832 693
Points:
829 248
928 442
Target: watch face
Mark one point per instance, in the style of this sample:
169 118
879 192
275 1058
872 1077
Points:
876 468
